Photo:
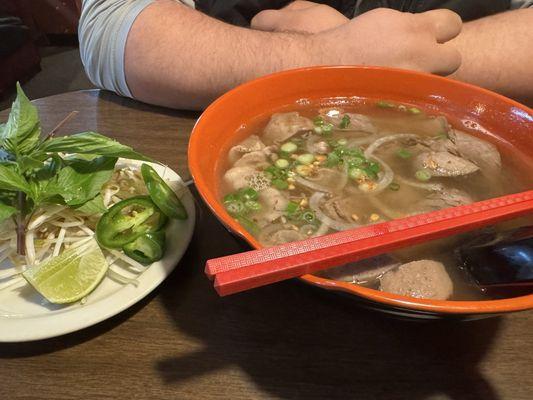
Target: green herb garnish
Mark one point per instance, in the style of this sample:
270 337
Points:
35 171
345 121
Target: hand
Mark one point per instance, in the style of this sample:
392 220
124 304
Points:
390 38
299 16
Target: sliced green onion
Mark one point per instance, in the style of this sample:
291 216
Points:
355 161
374 167
318 121
248 194
235 207
282 163
394 186
414 110
308 216
327 128
356 173
289 147
371 173
230 198
318 130
342 142
306 158
332 160
280 184
345 121
292 208
385 104
423 175
252 205
404 153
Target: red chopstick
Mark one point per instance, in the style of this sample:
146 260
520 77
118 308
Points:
248 270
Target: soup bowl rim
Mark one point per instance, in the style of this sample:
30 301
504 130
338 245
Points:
497 306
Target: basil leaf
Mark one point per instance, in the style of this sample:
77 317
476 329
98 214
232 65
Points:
12 180
20 135
26 163
94 206
6 211
90 143
81 181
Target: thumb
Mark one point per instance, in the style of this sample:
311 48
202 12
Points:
266 20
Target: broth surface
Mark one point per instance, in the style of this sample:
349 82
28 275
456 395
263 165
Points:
315 171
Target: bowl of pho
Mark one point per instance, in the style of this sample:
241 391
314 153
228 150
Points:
313 151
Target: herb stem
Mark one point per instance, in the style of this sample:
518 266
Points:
21 224
60 124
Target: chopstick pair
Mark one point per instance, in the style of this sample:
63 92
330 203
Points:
248 270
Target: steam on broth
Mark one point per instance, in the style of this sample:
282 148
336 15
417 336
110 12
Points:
312 172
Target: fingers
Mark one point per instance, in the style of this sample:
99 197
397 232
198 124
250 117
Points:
445 23
449 59
266 20
300 5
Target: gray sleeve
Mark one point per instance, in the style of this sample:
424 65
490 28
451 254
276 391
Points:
521 4
103 31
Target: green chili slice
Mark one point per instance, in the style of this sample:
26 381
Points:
162 195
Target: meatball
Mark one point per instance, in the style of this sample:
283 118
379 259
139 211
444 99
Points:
425 279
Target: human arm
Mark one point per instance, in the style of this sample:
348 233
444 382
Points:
496 51
497 54
178 57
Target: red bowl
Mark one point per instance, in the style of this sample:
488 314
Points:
225 121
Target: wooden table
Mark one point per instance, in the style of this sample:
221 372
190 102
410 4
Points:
286 341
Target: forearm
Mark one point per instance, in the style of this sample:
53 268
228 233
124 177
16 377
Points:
497 53
178 57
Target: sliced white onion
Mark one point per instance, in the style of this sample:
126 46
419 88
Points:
385 139
314 204
436 187
385 180
311 184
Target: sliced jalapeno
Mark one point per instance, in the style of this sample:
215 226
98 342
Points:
147 248
161 194
127 220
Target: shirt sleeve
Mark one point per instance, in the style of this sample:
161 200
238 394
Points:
103 30
521 4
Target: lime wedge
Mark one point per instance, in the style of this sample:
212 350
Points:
71 275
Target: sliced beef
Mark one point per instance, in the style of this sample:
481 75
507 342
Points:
273 205
250 144
443 163
238 177
255 159
448 197
283 126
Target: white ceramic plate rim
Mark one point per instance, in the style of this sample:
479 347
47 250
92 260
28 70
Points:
29 328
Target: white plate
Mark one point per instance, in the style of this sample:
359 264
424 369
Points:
25 315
